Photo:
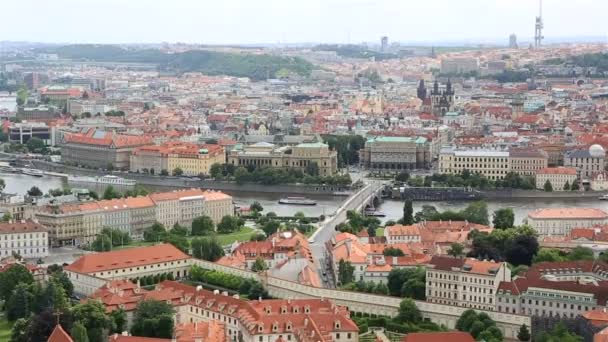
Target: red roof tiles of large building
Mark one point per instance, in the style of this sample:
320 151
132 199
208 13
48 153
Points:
59 335
557 171
109 139
132 257
28 226
568 213
450 336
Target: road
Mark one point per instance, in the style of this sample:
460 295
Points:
327 230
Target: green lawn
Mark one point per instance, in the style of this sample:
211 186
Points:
5 329
242 235
379 231
134 244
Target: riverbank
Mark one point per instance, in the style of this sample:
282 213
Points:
187 182
539 194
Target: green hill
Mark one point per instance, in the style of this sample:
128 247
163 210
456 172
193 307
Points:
256 67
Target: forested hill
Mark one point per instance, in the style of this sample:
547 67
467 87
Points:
256 67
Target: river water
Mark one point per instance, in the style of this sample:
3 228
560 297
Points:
326 205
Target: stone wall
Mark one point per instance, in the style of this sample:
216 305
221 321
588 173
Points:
370 303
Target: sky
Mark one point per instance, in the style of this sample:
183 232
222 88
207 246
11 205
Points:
295 21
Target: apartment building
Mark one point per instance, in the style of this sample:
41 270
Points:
100 149
494 165
560 221
79 223
527 162
29 239
286 157
459 65
556 289
395 154
91 271
465 282
78 107
268 320
557 176
22 132
192 159
586 161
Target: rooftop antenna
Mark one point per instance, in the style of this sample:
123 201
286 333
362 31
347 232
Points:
538 34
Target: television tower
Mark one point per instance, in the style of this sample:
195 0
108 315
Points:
538 35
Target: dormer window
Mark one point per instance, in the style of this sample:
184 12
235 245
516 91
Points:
283 309
337 325
288 326
268 310
260 328
307 309
275 326
296 309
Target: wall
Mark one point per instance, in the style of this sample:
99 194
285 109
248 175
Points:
369 303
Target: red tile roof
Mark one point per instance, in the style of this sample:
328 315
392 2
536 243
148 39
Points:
131 257
59 335
451 336
21 227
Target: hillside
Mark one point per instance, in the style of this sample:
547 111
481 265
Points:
256 67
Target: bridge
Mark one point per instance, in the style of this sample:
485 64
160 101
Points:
370 304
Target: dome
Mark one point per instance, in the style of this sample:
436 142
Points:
597 151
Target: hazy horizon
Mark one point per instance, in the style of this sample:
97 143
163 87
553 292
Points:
263 22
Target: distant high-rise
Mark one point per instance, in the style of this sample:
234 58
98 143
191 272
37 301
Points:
538 27
384 44
513 41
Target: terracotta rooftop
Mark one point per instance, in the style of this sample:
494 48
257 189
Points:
21 227
59 335
132 257
568 213
451 336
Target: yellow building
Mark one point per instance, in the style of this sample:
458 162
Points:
191 158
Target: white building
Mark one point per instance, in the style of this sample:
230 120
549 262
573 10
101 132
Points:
557 176
29 239
560 221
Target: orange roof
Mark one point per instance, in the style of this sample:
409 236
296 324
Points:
451 336
59 335
569 213
597 317
110 139
121 338
211 331
557 171
131 257
20 227
399 229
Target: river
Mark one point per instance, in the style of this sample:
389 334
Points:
326 205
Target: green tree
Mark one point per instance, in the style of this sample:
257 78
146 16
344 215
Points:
392 251
524 333
402 176
345 272
575 185
36 145
92 315
157 232
456 250
153 318
164 172
102 243
19 330
216 170
477 212
581 253
228 224
62 279
259 265
408 212
79 333
241 175
10 278
119 320
207 249
503 218
178 230
256 206
548 255
20 303
7 217
203 225
2 184
271 227
566 188
110 193
548 187
178 171
414 288
312 169
34 191
408 312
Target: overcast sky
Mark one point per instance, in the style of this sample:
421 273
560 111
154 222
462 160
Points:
291 21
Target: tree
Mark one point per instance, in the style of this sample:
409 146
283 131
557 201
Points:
456 250
575 185
20 303
392 251
271 227
110 193
524 333
312 169
19 330
34 191
299 216
10 278
2 184
7 217
408 212
548 255
228 224
256 206
402 176
202 225
345 272
522 250
164 172
178 171
548 187
92 315
259 265
157 232
79 333
153 318
64 281
102 243
566 188
581 253
414 288
119 320
477 212
178 230
408 312
207 249
503 218
216 170
241 175
36 145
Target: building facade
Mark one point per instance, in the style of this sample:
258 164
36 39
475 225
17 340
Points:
560 221
29 239
494 165
527 162
586 161
395 154
557 176
191 158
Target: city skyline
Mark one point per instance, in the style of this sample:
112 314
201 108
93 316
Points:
315 21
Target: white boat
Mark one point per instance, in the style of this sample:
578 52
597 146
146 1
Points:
603 197
33 172
105 180
297 201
